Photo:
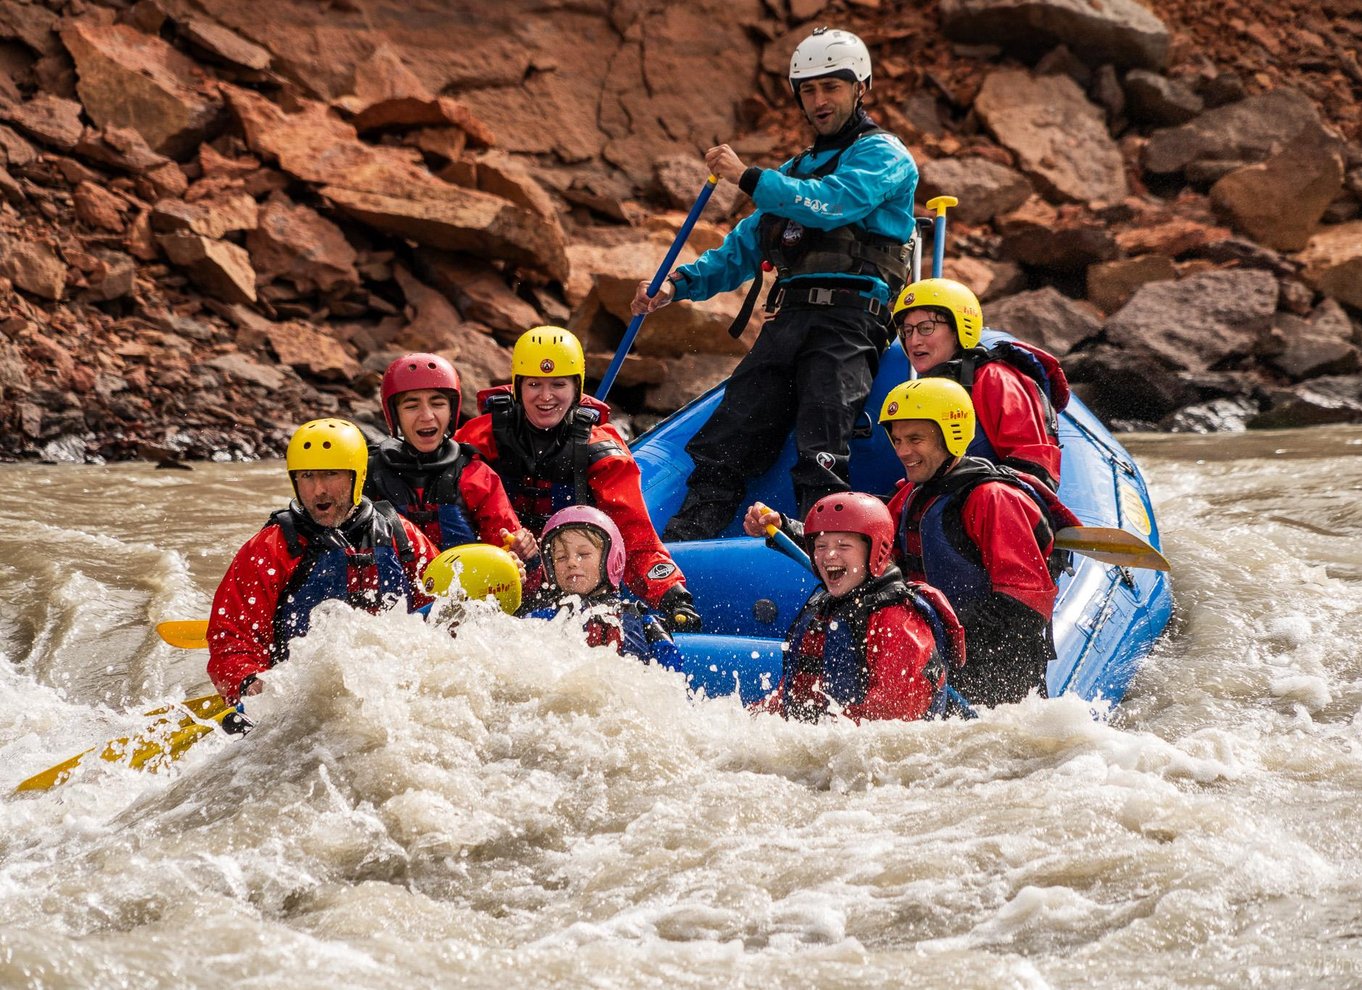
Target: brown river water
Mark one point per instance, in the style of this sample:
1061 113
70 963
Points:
511 809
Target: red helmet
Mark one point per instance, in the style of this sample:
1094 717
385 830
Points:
856 512
413 371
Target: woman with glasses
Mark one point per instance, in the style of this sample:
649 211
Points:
1017 389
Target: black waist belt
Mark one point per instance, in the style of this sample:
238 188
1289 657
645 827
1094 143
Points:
798 296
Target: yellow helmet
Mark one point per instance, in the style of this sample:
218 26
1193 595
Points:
947 294
481 569
329 445
549 352
944 402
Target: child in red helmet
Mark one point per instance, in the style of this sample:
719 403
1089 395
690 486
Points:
440 485
867 644
584 558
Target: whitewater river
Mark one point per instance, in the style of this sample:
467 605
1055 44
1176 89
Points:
510 809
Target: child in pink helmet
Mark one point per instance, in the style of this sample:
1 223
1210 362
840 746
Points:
584 561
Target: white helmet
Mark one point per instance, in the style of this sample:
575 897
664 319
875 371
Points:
830 53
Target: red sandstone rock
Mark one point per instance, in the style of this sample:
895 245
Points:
130 79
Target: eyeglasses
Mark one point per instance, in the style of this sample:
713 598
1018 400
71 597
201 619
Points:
924 329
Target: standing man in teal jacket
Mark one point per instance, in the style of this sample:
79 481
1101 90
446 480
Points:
833 223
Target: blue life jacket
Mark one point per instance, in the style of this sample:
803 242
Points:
841 668
950 560
360 563
793 249
628 625
396 472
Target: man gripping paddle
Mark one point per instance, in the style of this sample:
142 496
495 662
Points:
833 222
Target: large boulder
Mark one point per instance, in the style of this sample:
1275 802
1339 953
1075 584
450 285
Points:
1221 140
1112 283
131 79
1045 317
1121 32
212 218
33 266
1119 384
384 188
1321 345
1068 240
1279 202
1331 399
1199 322
224 45
1059 137
47 118
222 268
389 95
1333 262
1159 101
295 242
984 188
312 353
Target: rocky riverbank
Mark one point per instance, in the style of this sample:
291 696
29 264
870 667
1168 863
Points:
220 219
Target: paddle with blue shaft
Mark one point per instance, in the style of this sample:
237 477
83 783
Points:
1107 544
940 205
662 272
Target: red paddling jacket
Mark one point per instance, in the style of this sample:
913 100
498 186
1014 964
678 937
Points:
291 566
582 461
984 535
881 651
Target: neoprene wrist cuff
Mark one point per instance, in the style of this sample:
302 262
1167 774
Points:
678 281
748 182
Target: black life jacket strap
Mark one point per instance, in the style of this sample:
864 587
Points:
388 526
284 520
749 303
502 409
584 420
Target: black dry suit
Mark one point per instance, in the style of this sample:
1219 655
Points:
815 359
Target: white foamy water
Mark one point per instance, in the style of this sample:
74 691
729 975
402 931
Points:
507 808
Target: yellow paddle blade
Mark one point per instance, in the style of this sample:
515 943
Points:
159 744
190 634
1111 546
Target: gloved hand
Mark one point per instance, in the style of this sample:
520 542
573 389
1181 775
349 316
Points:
235 722
677 608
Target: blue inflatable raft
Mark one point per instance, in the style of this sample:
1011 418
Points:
1106 617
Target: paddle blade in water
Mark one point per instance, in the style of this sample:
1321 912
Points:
1111 546
162 742
190 634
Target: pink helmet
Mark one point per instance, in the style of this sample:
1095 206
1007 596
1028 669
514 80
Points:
586 517
413 371
856 512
